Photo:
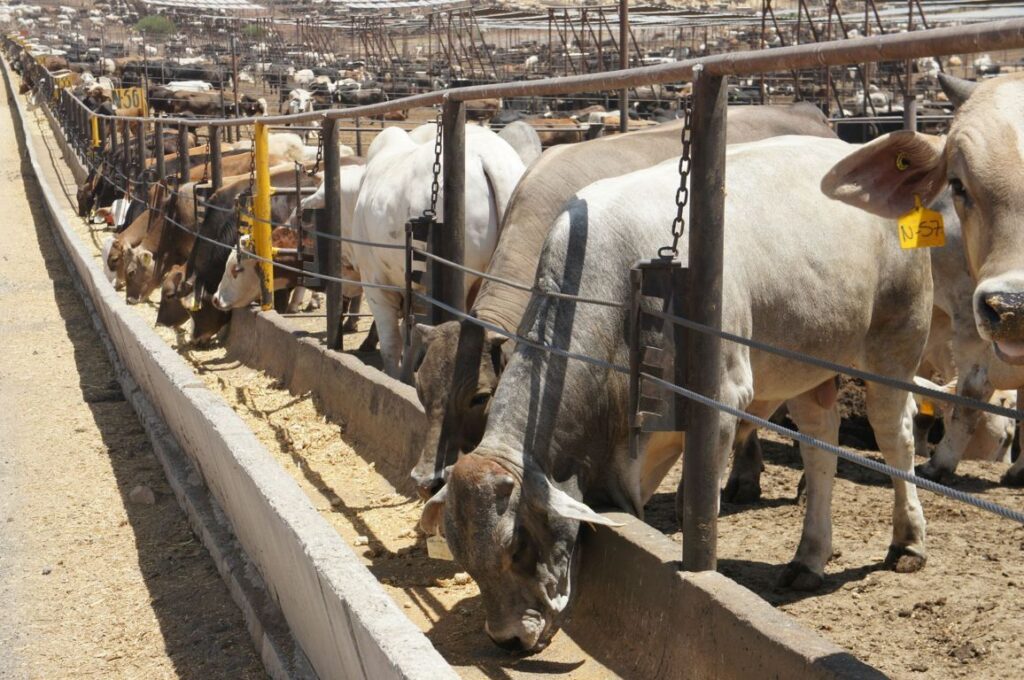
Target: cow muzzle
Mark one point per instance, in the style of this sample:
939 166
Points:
999 315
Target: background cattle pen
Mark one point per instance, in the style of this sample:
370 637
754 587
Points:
99 144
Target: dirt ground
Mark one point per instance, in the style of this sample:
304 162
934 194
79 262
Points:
962 616
92 585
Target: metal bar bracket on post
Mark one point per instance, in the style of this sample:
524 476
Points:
656 348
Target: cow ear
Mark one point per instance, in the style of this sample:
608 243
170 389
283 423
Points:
562 504
883 177
433 513
957 89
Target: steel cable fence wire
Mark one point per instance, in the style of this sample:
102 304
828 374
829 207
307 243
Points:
959 400
254 256
845 454
840 368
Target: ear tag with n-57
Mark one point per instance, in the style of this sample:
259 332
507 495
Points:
921 228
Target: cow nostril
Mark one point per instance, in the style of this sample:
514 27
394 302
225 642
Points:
991 309
512 644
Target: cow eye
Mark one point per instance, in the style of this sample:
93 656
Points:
480 399
235 271
959 190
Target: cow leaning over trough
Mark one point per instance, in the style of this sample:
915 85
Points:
556 439
396 187
218 233
537 201
981 161
240 285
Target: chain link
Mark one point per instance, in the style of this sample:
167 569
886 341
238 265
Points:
683 192
435 186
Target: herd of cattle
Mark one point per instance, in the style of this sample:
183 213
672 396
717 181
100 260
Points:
539 438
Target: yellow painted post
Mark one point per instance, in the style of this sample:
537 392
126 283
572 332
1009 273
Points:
261 215
95 122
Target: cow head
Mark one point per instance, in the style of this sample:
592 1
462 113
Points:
172 310
116 262
982 162
139 269
455 381
86 194
240 284
515 533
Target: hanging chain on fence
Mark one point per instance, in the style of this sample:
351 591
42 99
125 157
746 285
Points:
435 186
683 192
319 153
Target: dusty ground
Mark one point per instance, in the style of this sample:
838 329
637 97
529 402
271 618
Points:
91 584
960 617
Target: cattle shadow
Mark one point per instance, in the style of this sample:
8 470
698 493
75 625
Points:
763 577
203 633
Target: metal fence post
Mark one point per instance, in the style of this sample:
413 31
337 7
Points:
182 154
158 150
261 215
126 155
623 63
216 172
707 216
140 158
446 283
332 209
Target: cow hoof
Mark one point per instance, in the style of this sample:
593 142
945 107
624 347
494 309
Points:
742 491
1013 478
797 576
904 560
929 472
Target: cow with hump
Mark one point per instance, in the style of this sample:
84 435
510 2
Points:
395 187
556 438
980 161
461 364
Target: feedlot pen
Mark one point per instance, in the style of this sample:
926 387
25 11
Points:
959 617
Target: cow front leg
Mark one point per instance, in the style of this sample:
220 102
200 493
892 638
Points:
386 307
807 570
891 414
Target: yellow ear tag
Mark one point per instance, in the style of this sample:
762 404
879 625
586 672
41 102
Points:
927 408
921 228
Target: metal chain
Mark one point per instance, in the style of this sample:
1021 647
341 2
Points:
435 186
252 167
319 153
683 192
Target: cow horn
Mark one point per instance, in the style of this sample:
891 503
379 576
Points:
957 89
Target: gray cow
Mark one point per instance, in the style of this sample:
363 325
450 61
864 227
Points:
462 401
802 272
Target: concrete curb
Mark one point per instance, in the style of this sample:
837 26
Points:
346 624
635 611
